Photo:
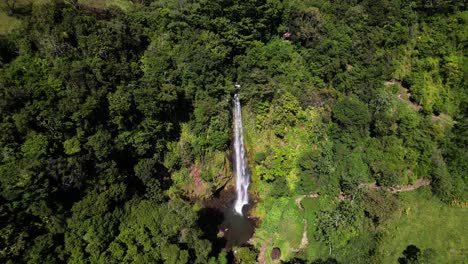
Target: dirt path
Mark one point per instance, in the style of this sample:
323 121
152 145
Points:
299 199
261 259
404 94
403 188
411 187
305 240
371 186
262 256
343 196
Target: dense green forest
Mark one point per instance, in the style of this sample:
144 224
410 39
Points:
116 126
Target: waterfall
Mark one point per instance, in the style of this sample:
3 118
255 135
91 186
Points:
242 172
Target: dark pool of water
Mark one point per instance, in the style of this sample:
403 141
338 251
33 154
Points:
236 229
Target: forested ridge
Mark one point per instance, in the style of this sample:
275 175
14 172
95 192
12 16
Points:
116 126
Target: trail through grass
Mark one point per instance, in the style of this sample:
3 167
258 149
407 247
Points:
315 249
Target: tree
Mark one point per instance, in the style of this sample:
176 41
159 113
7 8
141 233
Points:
101 144
337 226
379 206
352 114
352 171
93 224
307 26
442 180
245 255
71 146
11 5
411 255
155 232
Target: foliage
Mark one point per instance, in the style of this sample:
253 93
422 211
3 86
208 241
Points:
151 233
245 255
352 114
116 120
337 227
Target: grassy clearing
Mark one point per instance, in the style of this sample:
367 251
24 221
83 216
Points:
24 3
426 223
8 23
103 4
315 249
283 227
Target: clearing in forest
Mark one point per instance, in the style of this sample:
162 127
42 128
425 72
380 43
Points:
428 224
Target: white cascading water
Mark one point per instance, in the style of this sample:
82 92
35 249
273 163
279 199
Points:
242 172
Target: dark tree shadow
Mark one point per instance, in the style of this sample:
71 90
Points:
209 220
410 255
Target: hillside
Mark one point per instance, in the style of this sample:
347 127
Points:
116 122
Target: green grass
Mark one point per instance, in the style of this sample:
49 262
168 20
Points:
426 223
282 225
24 3
7 23
103 4
10 23
315 249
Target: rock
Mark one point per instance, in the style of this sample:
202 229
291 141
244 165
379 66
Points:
286 35
275 253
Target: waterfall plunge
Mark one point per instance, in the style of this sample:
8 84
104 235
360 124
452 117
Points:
242 172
